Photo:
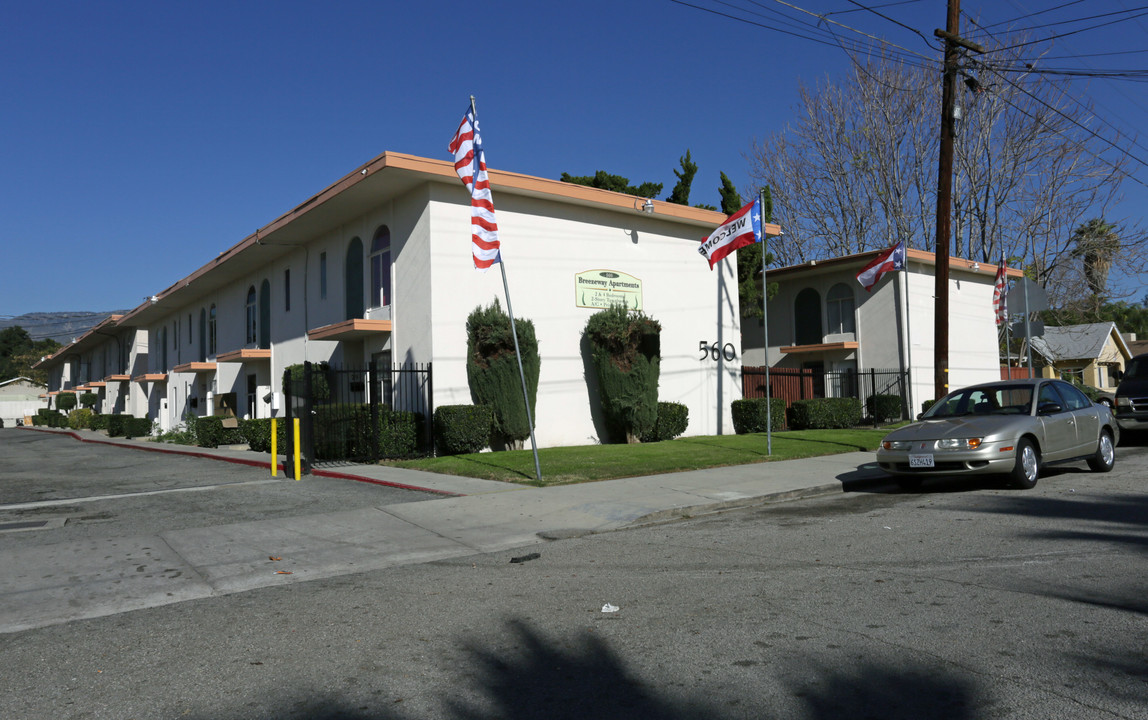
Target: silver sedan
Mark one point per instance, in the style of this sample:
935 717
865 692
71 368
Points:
1011 427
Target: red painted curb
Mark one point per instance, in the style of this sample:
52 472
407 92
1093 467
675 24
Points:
245 461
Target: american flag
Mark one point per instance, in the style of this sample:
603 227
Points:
470 164
1000 289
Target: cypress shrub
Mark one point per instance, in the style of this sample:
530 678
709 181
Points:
89 399
825 413
65 401
881 408
673 419
460 429
749 415
626 351
492 371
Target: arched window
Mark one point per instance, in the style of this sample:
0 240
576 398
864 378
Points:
265 315
839 306
381 268
353 280
251 310
807 318
211 330
202 334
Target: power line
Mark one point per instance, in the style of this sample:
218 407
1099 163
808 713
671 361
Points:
1033 14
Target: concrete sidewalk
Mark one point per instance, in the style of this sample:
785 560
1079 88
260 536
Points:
67 581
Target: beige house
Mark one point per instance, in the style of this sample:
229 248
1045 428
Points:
1091 353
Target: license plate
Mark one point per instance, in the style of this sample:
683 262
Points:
921 461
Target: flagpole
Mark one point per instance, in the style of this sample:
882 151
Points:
765 333
514 334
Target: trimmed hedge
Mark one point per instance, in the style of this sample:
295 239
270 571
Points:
320 386
881 408
66 401
116 425
257 433
344 431
460 429
209 432
99 421
673 419
135 427
89 399
824 413
749 415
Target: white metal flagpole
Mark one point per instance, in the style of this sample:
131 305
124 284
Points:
765 331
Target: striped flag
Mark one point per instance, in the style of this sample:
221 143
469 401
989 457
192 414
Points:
740 229
470 164
1000 290
891 259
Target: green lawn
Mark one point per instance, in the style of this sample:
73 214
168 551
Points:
587 463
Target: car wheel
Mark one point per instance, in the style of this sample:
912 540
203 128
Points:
1105 457
1027 469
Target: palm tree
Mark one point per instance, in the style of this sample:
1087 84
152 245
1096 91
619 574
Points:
1097 242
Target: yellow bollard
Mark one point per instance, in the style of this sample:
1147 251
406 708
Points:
274 448
298 456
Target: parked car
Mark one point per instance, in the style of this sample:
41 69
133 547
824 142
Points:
1010 427
1132 395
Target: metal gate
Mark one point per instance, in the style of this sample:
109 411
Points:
360 414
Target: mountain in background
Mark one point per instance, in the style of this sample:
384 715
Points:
59 326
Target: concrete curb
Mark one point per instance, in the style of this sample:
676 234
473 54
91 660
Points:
691 511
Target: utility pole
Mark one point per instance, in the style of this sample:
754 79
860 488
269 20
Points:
952 38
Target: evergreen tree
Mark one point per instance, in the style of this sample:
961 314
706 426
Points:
616 183
626 351
680 195
492 371
748 257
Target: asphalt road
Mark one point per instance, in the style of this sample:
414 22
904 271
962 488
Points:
957 601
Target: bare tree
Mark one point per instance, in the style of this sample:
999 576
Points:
856 170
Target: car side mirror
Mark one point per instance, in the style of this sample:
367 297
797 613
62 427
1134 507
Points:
1048 408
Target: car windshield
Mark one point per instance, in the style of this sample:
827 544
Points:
1137 367
995 400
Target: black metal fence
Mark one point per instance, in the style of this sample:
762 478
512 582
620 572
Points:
809 383
361 414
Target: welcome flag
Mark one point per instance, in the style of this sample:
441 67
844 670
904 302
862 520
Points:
1000 291
470 164
740 229
891 259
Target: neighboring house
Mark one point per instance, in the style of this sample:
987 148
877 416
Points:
1136 347
20 397
822 319
1091 353
377 267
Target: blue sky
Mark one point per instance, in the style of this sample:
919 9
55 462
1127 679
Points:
140 139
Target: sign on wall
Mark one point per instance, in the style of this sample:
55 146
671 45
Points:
601 289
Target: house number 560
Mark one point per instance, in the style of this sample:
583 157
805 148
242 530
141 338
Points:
728 351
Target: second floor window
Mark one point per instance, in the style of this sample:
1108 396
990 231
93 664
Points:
251 310
381 268
839 305
211 331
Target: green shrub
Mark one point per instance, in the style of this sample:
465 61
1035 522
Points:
749 415
58 421
626 351
673 419
320 384
209 432
492 371
399 433
257 433
65 401
80 419
135 427
100 421
89 399
37 421
881 408
460 429
927 404
825 413
115 425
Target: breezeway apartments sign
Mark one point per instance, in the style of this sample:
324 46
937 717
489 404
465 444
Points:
600 289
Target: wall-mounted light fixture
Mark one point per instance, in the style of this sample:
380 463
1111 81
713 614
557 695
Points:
647 207
976 266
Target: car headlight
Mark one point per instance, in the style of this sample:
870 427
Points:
1123 402
959 443
895 444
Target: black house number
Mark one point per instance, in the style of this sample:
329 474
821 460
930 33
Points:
713 352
